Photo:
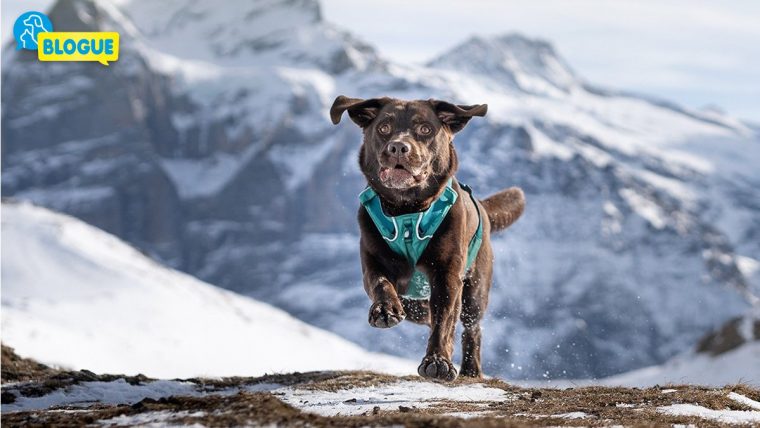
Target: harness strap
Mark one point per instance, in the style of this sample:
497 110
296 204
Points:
477 238
409 234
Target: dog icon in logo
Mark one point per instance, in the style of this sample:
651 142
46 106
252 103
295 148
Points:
28 26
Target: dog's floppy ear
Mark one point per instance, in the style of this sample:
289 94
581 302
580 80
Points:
362 112
457 116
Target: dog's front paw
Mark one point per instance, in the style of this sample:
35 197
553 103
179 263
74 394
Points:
437 367
386 314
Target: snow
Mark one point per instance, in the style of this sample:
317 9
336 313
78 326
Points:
116 392
62 198
156 418
530 65
387 397
298 163
674 187
202 177
748 265
645 208
569 415
544 146
120 391
208 32
353 401
737 366
723 416
572 415
744 400
75 296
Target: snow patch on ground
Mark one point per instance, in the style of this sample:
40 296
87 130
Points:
469 415
569 415
573 415
358 401
723 416
744 400
115 392
158 418
120 391
387 397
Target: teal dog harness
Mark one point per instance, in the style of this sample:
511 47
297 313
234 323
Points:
409 234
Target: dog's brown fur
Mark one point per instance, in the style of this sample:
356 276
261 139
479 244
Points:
407 157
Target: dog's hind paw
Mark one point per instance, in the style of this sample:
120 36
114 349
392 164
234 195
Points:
437 367
386 314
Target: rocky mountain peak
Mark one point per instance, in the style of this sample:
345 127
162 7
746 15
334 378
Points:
530 65
77 15
247 33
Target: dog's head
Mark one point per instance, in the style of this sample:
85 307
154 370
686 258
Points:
407 144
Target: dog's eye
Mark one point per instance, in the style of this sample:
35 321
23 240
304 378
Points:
384 129
424 129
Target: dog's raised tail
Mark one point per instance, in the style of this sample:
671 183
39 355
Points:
504 208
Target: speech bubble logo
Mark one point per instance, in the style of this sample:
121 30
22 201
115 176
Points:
78 46
28 27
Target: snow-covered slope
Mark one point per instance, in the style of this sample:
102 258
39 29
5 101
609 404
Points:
737 366
75 296
211 150
728 355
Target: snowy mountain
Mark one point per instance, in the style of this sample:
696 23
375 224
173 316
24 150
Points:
77 297
728 355
522 64
734 367
208 146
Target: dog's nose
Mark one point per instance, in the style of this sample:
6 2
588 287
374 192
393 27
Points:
398 148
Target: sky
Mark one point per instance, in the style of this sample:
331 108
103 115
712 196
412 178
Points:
694 52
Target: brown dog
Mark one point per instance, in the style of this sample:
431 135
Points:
409 161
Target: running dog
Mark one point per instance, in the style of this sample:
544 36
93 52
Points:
425 240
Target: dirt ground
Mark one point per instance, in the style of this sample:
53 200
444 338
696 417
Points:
602 406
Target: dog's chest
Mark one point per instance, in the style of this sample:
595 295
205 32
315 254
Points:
409 234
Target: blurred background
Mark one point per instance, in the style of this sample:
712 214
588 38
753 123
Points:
631 126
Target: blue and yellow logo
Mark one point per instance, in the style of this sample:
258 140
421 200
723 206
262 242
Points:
34 31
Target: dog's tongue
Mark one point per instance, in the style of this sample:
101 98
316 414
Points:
394 174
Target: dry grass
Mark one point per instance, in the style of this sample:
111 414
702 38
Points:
15 368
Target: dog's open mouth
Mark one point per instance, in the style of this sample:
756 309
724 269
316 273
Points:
399 175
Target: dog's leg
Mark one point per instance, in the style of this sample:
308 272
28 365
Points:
471 315
474 302
445 304
386 310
